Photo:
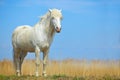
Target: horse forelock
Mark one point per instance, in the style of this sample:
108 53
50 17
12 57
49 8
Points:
54 13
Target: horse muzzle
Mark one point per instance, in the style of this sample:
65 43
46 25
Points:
58 29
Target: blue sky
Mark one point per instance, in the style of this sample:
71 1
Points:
90 28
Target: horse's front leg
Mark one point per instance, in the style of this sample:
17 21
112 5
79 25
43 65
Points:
45 59
37 61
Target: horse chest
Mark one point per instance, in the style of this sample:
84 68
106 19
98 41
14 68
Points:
43 44
42 40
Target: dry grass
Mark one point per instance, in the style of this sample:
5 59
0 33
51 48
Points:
67 67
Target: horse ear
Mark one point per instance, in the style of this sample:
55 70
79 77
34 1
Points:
50 10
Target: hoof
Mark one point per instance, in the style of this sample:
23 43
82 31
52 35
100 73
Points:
18 74
36 74
44 74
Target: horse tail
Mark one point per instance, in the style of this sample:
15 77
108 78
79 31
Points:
14 61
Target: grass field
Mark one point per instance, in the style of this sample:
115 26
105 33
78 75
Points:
68 69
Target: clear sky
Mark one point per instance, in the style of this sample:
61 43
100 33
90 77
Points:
90 28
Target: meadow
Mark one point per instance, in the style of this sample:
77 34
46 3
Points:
68 69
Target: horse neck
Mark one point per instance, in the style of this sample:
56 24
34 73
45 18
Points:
44 27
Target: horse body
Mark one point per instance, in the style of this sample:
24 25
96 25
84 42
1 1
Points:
32 37
35 39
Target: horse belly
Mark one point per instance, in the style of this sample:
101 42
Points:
26 46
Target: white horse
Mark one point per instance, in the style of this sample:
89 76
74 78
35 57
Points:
36 39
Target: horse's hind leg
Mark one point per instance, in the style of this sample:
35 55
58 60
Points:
16 57
19 56
22 56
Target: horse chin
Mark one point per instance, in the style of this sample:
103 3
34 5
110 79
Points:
57 31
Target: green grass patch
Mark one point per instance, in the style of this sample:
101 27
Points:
79 78
58 77
3 77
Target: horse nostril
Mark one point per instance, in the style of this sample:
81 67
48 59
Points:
57 28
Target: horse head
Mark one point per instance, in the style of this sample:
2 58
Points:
56 17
